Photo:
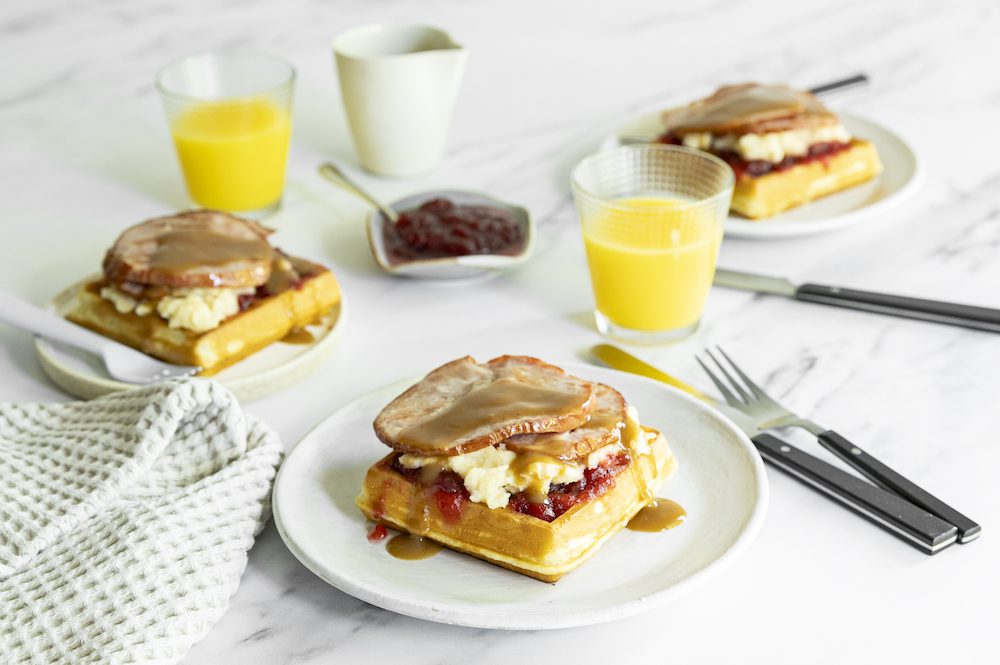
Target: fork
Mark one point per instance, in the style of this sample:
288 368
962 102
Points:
122 362
750 398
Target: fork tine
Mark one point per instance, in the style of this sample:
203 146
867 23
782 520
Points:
731 399
747 397
757 390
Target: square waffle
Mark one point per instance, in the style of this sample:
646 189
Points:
766 195
520 542
266 320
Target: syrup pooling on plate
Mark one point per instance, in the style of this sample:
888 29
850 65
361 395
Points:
658 515
412 548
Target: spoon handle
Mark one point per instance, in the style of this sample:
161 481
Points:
855 81
337 177
20 314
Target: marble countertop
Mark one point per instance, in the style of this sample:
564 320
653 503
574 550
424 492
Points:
86 152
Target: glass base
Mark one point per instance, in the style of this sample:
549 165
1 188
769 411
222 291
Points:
260 213
257 213
632 336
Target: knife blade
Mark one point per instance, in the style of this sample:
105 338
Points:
885 509
921 309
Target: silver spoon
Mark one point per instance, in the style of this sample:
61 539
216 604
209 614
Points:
122 362
337 177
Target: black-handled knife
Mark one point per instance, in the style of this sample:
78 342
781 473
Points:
891 480
893 513
936 311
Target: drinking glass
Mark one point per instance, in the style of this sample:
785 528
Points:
652 219
230 118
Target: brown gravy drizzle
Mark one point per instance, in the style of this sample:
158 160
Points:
412 548
762 102
287 272
192 248
659 515
498 401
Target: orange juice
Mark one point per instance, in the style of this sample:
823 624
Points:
233 152
652 261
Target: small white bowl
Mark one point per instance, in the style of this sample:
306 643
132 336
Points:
450 267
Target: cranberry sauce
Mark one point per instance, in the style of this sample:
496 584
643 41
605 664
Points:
378 534
447 490
594 483
818 152
441 228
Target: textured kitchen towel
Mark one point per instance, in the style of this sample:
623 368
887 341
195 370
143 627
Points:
125 521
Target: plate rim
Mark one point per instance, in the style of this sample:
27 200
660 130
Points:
762 230
520 620
245 388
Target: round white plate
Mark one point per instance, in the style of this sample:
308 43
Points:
720 481
861 204
271 369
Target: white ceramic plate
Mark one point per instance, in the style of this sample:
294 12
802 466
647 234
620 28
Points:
720 481
451 267
862 204
271 369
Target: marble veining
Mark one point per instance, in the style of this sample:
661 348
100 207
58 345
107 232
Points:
86 152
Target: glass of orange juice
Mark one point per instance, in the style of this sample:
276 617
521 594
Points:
230 118
652 220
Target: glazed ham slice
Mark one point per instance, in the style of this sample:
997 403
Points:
464 406
200 248
603 428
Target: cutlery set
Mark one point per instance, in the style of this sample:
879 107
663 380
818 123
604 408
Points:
890 500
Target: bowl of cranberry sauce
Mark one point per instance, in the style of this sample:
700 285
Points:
451 234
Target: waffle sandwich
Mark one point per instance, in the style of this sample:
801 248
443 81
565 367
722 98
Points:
785 147
515 462
202 288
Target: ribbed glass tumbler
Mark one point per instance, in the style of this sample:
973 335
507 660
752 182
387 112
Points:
652 219
230 116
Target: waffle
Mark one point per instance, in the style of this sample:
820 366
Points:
769 194
267 320
525 544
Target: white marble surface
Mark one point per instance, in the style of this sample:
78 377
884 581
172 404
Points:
85 152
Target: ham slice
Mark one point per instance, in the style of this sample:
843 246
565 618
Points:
199 248
603 428
749 108
464 406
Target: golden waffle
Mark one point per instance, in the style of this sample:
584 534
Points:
267 320
525 544
769 194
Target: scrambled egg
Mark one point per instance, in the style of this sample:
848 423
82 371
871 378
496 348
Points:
197 310
771 147
491 474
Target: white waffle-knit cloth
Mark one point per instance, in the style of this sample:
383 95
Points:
125 521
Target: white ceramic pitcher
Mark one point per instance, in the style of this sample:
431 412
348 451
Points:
399 83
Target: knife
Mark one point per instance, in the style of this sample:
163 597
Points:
937 311
885 509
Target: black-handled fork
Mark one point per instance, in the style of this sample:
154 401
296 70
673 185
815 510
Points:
746 396
890 511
